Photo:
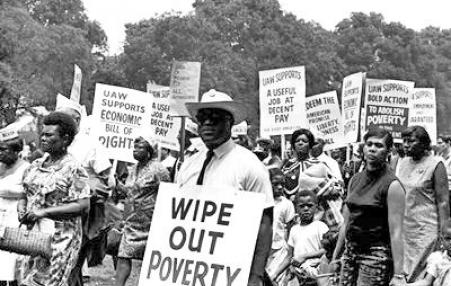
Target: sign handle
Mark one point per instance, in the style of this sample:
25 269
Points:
111 178
182 139
282 145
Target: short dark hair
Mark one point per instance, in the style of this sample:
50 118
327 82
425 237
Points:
378 132
305 193
420 133
65 122
445 138
149 148
275 172
16 144
303 131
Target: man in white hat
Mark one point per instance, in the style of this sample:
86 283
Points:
225 163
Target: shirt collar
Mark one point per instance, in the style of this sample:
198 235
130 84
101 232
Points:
225 148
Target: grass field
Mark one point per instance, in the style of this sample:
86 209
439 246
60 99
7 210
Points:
103 275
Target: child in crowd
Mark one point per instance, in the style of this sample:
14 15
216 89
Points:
438 267
283 220
304 242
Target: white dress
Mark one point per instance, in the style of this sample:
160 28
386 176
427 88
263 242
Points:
11 191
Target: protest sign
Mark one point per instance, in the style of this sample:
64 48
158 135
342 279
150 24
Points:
324 118
239 129
63 102
8 133
387 104
201 236
282 100
423 111
184 86
351 98
76 85
164 127
120 116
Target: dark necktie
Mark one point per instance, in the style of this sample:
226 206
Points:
200 179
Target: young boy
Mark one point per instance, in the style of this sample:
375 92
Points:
283 218
438 268
304 242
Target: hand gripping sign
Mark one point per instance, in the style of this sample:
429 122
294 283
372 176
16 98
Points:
201 236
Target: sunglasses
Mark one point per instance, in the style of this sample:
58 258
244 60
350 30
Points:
213 117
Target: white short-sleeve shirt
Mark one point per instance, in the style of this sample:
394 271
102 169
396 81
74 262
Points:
232 165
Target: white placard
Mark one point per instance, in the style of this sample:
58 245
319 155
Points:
387 104
76 85
423 111
282 101
201 236
185 80
351 98
164 127
120 115
239 129
324 118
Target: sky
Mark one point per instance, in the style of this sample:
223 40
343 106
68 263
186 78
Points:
416 14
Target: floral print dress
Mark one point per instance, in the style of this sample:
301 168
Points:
141 188
63 182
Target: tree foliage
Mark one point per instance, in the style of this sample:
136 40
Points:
37 56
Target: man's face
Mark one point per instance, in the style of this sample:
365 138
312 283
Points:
214 126
441 145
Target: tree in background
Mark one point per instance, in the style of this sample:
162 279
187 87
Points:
233 40
38 50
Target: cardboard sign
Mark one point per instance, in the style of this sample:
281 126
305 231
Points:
185 79
387 104
8 133
76 85
282 101
120 115
423 111
63 102
201 236
239 129
164 128
324 118
351 98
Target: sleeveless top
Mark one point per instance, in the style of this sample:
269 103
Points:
421 219
367 203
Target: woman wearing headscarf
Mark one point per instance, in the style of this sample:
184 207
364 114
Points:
140 192
427 209
11 191
56 196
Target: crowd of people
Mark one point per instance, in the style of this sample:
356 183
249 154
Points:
380 217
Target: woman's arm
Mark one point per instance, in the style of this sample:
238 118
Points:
395 204
440 179
341 235
61 212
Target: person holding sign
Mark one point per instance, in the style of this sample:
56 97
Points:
427 199
374 209
140 192
57 194
11 190
224 163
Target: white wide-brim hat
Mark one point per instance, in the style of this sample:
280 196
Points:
219 100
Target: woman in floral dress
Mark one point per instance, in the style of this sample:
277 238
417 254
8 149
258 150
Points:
140 192
56 195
